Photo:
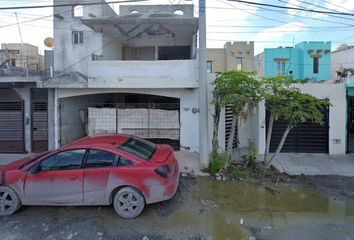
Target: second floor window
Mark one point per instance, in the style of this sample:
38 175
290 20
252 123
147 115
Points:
238 63
280 68
209 66
315 65
78 37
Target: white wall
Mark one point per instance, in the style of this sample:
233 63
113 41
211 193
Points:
143 74
341 59
336 94
25 94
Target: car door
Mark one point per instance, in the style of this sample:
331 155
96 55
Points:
59 181
97 169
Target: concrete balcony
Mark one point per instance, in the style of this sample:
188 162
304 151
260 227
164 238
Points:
143 74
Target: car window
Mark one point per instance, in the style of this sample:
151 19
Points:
98 158
139 147
123 162
64 160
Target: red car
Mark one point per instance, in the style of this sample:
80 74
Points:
122 170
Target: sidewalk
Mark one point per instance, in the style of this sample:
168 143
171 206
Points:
315 164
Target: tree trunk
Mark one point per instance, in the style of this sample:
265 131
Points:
231 138
216 116
269 137
280 146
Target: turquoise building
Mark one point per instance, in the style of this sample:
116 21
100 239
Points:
309 61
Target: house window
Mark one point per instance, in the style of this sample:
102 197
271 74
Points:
280 68
78 37
13 62
315 65
209 66
238 63
78 11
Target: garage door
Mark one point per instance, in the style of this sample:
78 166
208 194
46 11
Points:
308 137
11 122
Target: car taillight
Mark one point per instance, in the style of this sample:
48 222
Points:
164 171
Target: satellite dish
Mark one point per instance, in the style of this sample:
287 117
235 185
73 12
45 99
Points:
49 42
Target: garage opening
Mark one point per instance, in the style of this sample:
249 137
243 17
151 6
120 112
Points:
155 118
308 137
11 122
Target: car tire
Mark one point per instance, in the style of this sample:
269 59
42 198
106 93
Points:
128 203
9 201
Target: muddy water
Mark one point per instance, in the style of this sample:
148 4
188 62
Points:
239 210
202 209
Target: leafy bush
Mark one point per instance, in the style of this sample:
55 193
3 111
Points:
217 163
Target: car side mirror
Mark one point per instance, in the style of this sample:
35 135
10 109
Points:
35 169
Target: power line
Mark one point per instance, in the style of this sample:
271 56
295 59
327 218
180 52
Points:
315 5
67 5
292 8
347 9
310 18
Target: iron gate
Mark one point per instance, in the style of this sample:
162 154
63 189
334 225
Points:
307 137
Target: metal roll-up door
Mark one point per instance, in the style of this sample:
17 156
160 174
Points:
308 137
39 113
11 122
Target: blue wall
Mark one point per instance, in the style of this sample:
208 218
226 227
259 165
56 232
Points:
300 61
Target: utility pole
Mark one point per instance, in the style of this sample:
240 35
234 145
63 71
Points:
203 89
22 47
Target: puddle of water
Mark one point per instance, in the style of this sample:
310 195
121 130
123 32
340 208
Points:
227 210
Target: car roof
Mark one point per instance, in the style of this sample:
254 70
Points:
102 139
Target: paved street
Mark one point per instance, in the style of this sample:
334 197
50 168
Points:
312 208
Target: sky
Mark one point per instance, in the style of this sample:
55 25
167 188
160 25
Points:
226 21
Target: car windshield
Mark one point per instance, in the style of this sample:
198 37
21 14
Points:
139 147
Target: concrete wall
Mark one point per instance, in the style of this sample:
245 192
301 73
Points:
336 94
147 74
292 62
25 94
188 109
217 56
341 59
75 57
244 50
306 59
188 9
224 59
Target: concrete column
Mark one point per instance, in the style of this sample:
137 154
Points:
203 94
51 121
25 94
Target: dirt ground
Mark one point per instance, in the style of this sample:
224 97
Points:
300 208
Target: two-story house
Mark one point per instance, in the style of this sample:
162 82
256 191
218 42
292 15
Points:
23 107
133 73
308 61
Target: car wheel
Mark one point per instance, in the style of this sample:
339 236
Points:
9 201
128 202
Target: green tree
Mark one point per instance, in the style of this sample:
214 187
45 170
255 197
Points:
236 90
284 100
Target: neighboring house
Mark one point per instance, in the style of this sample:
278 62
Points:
133 73
342 60
234 56
298 62
309 61
23 107
16 58
343 71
